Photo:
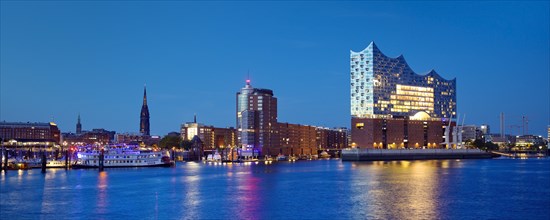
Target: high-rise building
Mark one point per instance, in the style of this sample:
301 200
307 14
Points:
256 119
393 107
78 126
144 116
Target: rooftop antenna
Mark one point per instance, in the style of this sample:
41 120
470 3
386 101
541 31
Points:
195 118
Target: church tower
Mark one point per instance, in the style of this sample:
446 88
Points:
78 126
144 118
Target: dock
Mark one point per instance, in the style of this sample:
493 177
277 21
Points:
519 154
412 154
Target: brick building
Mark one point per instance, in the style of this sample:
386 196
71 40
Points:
30 134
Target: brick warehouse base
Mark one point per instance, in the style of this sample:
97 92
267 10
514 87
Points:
397 133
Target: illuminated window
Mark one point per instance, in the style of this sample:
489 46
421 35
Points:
412 98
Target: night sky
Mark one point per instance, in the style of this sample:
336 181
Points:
61 58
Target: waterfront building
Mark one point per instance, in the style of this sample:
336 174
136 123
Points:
471 132
144 116
137 139
95 136
501 141
29 134
528 141
128 138
224 137
295 139
331 138
211 137
485 129
259 133
256 119
393 107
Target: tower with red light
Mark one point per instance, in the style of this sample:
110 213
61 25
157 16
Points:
256 118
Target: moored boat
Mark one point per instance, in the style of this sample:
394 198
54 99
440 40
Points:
281 157
55 163
123 157
324 155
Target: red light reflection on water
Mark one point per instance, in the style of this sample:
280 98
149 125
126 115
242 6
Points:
249 199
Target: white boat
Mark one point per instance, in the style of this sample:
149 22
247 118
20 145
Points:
55 163
281 157
214 157
123 157
23 164
325 155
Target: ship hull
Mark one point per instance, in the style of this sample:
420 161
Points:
80 166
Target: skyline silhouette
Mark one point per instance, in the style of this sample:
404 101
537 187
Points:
62 59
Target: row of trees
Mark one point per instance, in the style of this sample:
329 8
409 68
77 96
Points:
486 146
172 141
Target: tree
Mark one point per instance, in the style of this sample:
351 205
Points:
169 141
479 143
491 146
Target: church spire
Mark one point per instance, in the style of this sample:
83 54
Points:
144 116
78 125
145 94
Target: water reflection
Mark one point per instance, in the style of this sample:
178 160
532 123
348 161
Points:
446 189
192 196
399 189
248 199
102 184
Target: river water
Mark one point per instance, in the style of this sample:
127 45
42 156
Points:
323 189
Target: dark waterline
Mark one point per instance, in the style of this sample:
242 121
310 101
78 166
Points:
324 189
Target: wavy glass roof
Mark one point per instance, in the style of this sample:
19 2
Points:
381 85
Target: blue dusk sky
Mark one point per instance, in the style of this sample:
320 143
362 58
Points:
62 58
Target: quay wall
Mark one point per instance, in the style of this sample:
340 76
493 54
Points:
412 154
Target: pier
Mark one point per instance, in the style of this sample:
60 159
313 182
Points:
519 154
412 154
